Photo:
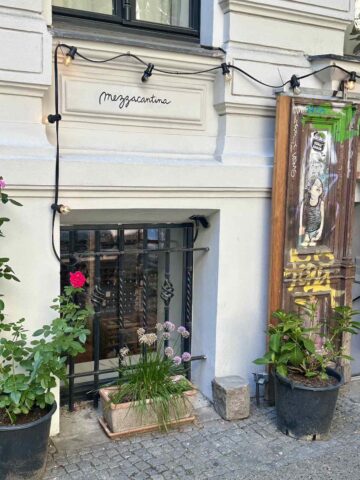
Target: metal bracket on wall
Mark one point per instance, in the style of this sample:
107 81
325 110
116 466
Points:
260 379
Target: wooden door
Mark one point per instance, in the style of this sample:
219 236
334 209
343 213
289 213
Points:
313 202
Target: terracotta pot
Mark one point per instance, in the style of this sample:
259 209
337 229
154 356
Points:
124 418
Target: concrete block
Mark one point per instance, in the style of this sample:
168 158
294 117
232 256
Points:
231 397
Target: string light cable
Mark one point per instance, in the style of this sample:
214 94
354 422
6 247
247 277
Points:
226 68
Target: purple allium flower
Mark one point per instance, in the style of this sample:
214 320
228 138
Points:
166 335
181 330
186 357
177 360
185 334
2 183
169 326
169 352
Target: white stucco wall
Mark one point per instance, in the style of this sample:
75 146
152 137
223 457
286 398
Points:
211 152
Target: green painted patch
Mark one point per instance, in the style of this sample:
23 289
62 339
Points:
339 122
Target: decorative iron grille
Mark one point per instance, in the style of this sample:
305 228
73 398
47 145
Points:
136 275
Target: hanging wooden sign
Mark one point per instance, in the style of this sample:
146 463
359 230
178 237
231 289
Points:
313 201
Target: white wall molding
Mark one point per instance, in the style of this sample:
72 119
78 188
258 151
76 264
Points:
22 89
98 107
81 192
26 47
121 177
106 131
251 109
288 10
23 5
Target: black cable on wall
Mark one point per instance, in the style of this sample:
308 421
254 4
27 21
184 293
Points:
150 69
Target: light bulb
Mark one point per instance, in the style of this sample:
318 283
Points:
350 84
295 85
67 60
64 209
226 72
148 72
70 56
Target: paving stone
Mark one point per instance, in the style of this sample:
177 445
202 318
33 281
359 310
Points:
73 467
250 449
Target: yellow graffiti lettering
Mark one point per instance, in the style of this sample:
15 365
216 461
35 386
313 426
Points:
312 278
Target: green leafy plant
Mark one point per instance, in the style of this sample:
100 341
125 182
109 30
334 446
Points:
156 380
6 271
28 369
298 344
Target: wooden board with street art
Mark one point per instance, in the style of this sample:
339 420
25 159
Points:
313 200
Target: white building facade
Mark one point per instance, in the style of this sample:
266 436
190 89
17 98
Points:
207 150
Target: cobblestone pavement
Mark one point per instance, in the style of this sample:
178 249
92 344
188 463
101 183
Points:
250 449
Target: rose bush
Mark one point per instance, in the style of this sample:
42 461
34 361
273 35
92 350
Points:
29 367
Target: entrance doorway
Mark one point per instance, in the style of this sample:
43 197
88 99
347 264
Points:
137 275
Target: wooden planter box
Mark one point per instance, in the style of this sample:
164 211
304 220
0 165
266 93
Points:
123 419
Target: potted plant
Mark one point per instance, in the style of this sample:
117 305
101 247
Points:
28 372
152 391
304 352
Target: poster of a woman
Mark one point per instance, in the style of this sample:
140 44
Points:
312 213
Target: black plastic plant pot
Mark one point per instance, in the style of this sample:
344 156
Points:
23 449
305 412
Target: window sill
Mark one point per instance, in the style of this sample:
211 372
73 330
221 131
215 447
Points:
84 31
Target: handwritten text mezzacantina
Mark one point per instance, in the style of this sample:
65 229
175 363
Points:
124 101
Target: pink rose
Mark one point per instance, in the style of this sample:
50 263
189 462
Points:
2 183
77 279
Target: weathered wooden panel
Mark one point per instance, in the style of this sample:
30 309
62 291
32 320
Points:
313 197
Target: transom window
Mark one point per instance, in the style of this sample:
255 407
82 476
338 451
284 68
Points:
175 16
